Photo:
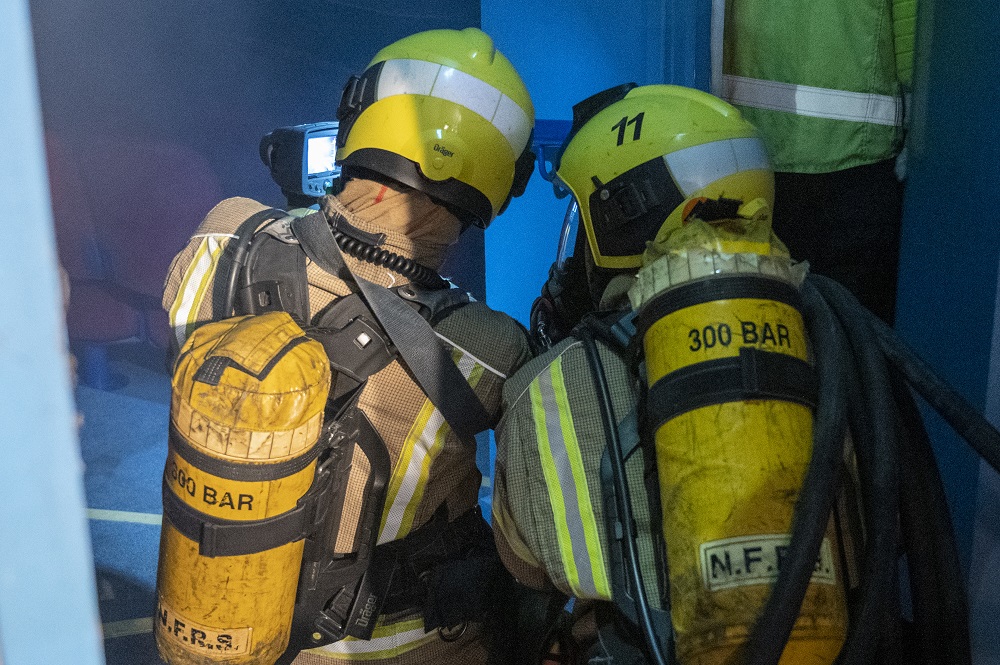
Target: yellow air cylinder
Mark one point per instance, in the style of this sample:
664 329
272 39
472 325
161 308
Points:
245 419
727 366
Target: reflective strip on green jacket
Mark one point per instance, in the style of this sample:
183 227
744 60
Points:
818 78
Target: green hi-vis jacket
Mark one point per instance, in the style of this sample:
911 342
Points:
548 504
822 80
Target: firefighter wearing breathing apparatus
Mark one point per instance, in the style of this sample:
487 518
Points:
397 564
648 463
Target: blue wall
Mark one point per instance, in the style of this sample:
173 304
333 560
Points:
948 284
950 243
565 50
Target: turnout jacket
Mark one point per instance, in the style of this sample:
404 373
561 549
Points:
548 502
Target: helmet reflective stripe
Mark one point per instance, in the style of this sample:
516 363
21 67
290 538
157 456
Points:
696 167
418 77
565 479
814 102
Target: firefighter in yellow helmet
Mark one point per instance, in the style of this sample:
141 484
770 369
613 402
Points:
434 136
613 476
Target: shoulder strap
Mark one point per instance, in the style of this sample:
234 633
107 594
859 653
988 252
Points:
433 304
416 341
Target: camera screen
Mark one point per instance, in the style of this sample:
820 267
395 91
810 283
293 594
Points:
322 153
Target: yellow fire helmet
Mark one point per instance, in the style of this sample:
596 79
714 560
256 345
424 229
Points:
445 112
638 158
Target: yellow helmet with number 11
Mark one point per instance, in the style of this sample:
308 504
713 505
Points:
638 158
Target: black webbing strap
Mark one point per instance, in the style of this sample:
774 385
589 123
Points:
221 537
722 287
246 473
211 370
417 343
753 375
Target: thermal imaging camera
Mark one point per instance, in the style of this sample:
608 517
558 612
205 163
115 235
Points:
302 158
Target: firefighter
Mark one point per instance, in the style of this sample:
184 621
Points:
675 180
434 138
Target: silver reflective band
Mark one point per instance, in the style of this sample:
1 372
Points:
698 166
814 102
569 495
418 77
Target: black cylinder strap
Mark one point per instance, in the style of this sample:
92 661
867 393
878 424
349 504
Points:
221 537
720 287
753 375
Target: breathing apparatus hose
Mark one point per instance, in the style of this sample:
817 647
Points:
415 272
242 253
623 498
238 255
815 504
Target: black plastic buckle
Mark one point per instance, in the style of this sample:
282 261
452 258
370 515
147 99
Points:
629 201
350 100
207 540
330 626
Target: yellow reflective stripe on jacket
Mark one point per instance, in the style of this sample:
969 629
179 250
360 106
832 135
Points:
422 445
195 284
569 494
387 642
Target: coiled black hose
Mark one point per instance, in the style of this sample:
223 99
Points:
415 272
940 607
880 453
815 504
904 508
955 409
